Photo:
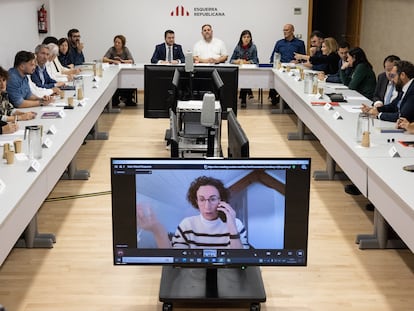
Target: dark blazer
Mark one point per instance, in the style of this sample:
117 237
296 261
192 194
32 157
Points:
381 88
391 113
326 63
160 53
49 82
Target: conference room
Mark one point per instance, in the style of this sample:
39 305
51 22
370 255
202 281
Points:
78 272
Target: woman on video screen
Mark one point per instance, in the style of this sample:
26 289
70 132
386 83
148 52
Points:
215 227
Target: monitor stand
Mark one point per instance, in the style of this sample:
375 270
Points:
212 287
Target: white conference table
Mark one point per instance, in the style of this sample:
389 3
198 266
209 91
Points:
24 190
338 137
396 207
132 76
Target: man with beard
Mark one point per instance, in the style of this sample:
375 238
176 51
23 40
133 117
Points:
403 106
18 86
76 47
209 50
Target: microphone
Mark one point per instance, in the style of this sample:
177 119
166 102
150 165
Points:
189 65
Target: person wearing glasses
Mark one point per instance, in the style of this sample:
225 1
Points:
403 105
75 47
215 227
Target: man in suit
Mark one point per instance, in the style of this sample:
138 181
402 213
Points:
168 52
40 77
402 106
385 91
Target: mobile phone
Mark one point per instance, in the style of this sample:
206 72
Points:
222 216
408 168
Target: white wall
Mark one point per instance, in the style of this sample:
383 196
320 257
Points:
18 24
387 28
144 22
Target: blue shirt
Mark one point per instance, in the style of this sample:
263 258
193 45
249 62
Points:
287 49
78 58
18 87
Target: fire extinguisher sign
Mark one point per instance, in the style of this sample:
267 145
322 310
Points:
42 19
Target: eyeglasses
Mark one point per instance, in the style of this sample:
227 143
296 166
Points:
212 200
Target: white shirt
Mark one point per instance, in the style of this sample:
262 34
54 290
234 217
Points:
54 69
213 49
38 91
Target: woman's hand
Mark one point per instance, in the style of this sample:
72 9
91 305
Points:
10 128
146 219
345 65
24 116
230 216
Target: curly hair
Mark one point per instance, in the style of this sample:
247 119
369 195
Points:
206 181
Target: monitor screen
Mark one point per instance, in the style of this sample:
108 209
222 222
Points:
162 90
237 141
210 212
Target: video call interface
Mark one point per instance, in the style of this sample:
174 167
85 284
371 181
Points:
199 212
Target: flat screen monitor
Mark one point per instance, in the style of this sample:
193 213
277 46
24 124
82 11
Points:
237 141
210 212
162 90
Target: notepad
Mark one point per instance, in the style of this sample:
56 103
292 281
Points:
51 115
391 130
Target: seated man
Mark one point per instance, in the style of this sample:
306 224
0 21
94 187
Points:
7 112
286 47
209 50
18 86
168 52
75 47
343 49
403 105
40 76
385 91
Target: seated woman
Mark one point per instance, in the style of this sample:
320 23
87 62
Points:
65 58
7 111
55 69
120 54
361 78
329 59
245 52
215 227
8 128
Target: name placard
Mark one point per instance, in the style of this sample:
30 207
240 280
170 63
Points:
2 186
337 116
393 152
34 166
52 130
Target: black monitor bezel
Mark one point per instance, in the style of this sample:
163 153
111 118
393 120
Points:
298 221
